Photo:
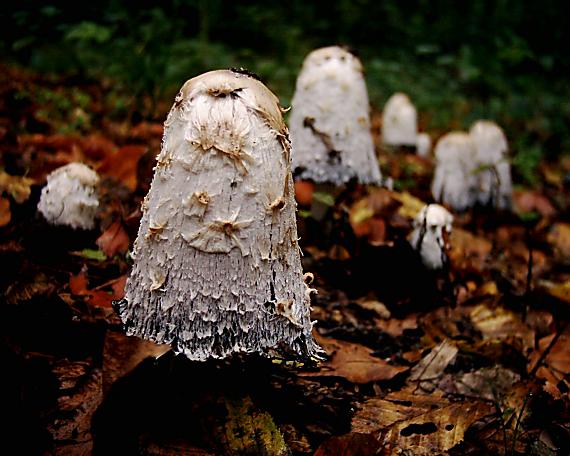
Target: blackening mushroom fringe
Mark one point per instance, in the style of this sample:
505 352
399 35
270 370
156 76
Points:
217 264
330 122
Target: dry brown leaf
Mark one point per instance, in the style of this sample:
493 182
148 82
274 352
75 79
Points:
114 240
436 430
468 251
410 204
5 213
420 424
17 187
559 291
559 237
122 165
555 367
531 201
79 285
304 192
121 354
431 367
502 324
490 383
396 327
353 362
352 444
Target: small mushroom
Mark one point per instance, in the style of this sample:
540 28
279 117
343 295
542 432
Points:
70 196
492 165
217 264
454 179
330 122
423 144
399 121
432 226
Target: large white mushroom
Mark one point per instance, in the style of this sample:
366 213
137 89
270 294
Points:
70 196
494 185
399 121
217 264
454 181
432 225
330 122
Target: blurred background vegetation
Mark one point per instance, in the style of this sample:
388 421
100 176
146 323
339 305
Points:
505 60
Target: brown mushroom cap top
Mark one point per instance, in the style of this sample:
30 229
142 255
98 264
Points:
222 83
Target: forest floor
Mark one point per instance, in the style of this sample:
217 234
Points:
471 360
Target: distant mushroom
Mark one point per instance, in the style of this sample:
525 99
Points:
423 144
454 180
217 264
330 122
399 121
432 225
70 196
492 166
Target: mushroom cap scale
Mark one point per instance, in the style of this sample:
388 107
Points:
329 121
217 263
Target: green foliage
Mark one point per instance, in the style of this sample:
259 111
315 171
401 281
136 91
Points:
502 60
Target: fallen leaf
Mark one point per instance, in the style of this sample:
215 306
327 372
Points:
17 187
97 147
431 367
559 237
530 201
5 214
352 444
122 165
436 430
499 323
353 362
410 204
417 424
490 383
559 291
304 192
122 353
555 367
114 240
98 297
468 251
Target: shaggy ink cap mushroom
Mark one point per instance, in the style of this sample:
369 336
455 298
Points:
217 265
423 144
454 179
399 121
70 196
428 238
330 122
494 184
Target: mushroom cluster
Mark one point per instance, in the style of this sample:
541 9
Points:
70 197
216 262
330 122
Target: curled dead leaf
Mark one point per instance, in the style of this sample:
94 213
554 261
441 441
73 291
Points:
353 362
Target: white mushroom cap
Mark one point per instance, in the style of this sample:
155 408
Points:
431 225
330 122
399 121
423 144
494 172
70 196
217 264
454 180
